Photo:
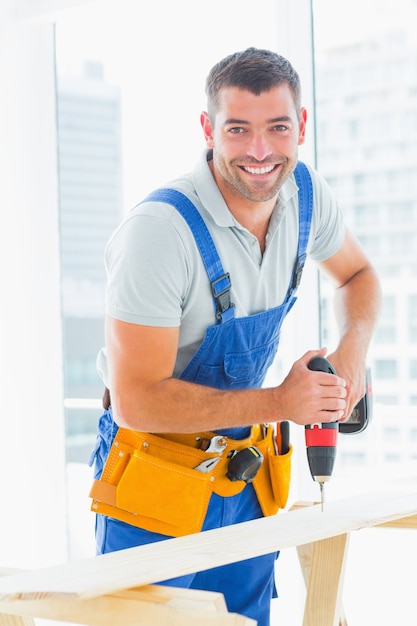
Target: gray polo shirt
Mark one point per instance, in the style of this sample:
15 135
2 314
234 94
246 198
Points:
156 276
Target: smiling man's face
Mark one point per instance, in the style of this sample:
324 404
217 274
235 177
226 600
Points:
255 141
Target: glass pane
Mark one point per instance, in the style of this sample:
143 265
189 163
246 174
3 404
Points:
366 102
130 91
90 200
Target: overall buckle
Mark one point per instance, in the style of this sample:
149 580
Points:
220 289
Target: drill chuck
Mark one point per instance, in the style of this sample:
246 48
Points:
321 441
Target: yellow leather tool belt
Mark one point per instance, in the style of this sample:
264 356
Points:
150 481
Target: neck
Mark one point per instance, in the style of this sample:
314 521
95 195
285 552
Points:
254 216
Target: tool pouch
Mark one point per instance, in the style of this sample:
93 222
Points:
149 481
272 482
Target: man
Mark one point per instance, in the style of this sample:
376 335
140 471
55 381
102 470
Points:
187 351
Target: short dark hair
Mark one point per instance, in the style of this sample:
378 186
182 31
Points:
255 70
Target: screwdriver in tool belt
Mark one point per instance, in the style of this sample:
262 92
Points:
321 439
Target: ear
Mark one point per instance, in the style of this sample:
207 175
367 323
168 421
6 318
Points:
207 129
303 122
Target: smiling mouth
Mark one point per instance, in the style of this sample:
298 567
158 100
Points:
258 171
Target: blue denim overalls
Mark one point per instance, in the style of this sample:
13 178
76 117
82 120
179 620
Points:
235 354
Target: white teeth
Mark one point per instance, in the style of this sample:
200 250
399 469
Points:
259 170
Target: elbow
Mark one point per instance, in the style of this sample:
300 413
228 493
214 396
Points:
366 282
373 286
127 414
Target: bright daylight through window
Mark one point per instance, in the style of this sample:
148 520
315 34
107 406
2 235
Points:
121 135
366 108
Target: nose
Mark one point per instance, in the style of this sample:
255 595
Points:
259 147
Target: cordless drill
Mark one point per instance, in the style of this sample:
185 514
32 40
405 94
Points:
321 439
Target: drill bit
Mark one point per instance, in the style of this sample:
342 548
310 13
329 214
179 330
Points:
322 495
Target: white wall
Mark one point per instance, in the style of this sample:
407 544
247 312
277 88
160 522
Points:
32 468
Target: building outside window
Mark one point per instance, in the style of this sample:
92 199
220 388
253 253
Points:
366 87
366 131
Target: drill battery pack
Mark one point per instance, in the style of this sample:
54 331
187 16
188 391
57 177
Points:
361 414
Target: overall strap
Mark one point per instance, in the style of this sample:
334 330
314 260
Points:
305 212
219 279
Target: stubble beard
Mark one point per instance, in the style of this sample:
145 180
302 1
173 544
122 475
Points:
260 191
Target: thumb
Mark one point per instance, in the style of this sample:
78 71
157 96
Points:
312 353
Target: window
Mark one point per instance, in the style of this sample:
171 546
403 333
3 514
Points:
386 368
392 435
128 121
386 334
389 308
353 459
392 458
358 67
403 213
412 316
366 149
380 86
359 183
385 399
366 216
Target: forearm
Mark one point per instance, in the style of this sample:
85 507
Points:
171 405
357 305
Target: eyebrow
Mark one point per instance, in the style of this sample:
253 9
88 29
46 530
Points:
275 120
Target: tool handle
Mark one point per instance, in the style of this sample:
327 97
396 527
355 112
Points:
283 437
320 364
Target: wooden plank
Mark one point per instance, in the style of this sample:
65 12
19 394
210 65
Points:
325 582
141 606
404 522
174 557
150 605
305 556
15 620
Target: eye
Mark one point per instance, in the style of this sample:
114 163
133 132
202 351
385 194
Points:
236 130
280 128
